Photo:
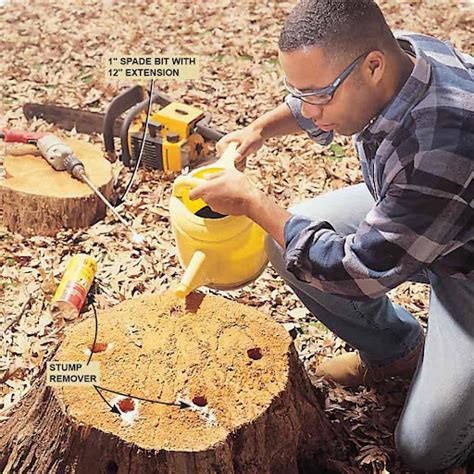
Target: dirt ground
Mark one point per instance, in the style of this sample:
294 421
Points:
54 53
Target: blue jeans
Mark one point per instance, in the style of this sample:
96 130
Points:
436 427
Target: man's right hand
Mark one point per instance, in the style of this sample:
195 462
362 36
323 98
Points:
250 140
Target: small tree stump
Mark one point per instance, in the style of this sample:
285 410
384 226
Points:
253 409
38 200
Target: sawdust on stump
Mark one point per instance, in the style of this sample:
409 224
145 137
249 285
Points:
252 408
38 200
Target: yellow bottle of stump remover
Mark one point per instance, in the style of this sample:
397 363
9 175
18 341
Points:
74 286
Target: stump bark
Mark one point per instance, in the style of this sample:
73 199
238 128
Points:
252 407
38 200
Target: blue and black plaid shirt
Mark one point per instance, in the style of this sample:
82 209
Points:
417 160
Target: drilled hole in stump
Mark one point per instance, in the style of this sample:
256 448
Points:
255 353
200 401
111 468
193 302
98 347
126 405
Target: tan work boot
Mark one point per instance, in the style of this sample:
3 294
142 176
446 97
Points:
350 370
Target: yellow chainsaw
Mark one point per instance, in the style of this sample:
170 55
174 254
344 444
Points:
177 134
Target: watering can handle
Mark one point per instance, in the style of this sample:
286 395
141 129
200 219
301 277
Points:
227 160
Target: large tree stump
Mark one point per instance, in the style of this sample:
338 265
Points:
38 200
253 409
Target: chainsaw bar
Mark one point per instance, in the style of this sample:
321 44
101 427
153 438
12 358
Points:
66 118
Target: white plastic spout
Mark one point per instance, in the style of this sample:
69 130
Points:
193 277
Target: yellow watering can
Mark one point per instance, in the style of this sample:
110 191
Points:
222 252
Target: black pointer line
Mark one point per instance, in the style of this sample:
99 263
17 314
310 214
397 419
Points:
180 404
95 335
113 408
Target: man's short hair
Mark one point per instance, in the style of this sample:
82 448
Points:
342 28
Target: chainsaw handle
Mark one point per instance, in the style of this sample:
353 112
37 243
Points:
157 98
208 133
116 108
133 99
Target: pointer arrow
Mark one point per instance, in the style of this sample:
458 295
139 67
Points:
113 408
181 404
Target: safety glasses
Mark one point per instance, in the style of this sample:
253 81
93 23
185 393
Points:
324 95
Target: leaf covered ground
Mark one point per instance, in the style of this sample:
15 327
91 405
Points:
54 53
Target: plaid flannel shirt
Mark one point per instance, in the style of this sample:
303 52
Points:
417 161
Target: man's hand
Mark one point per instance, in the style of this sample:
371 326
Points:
276 122
249 139
228 192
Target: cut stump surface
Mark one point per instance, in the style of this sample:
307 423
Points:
252 407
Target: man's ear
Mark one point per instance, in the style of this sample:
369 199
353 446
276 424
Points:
375 66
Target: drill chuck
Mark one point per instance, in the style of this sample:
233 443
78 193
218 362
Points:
75 167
